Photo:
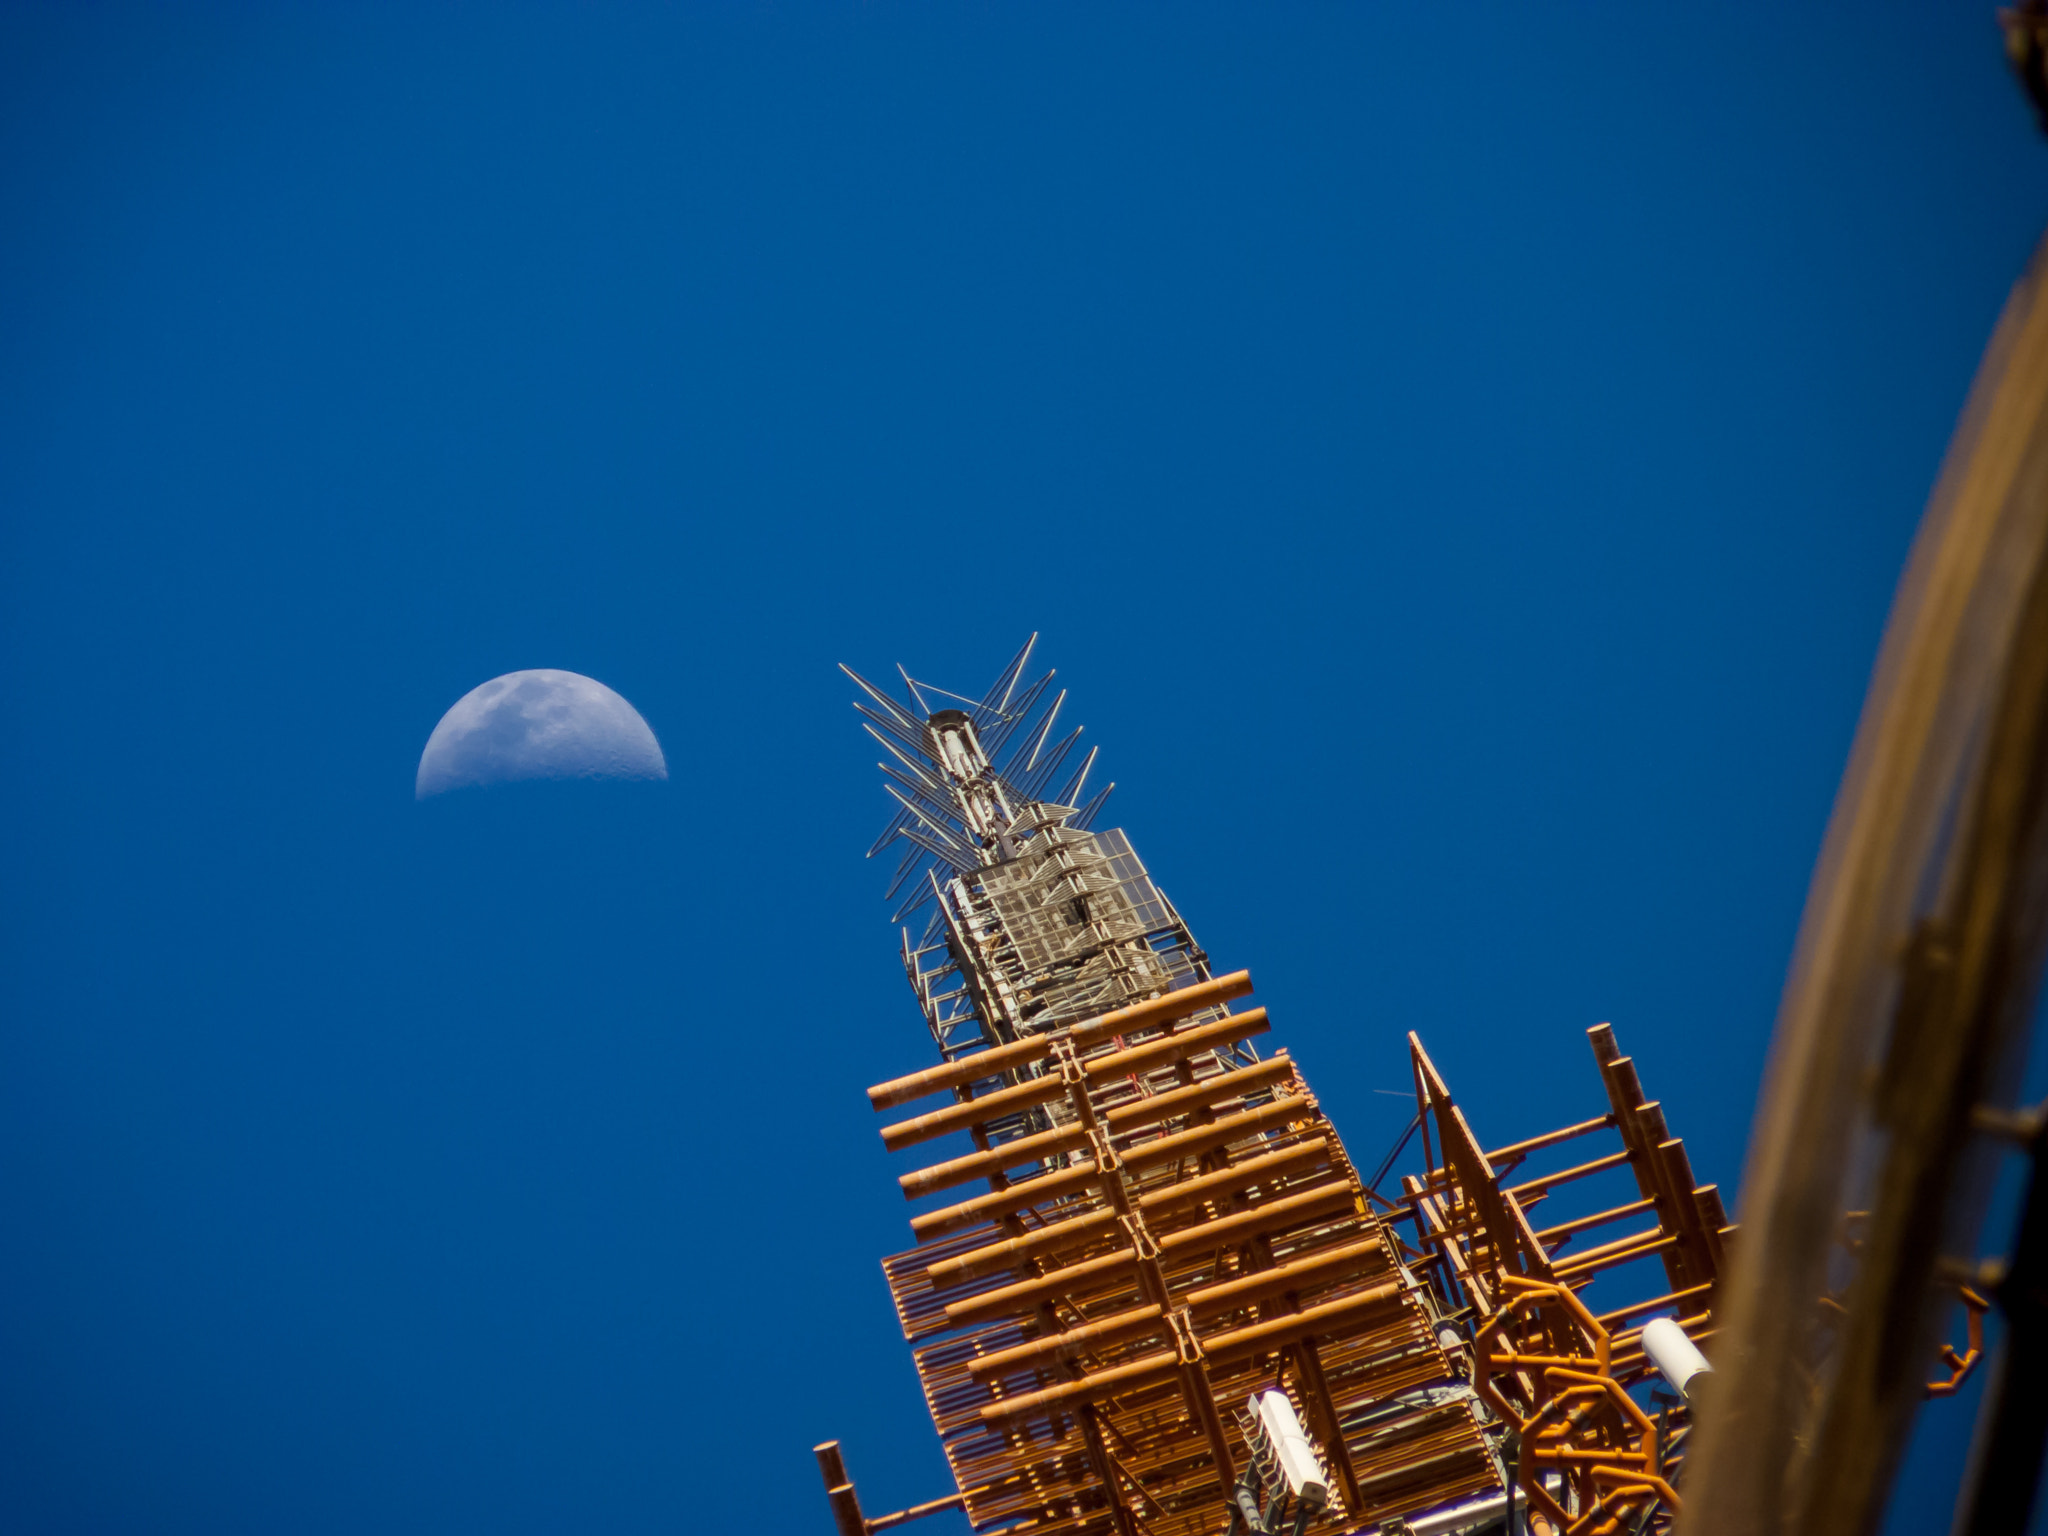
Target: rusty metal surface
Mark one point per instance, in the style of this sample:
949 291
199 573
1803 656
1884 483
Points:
1238 1250
1201 1235
1543 1362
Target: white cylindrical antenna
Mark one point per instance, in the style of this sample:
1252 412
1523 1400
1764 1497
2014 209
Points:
1293 1452
1676 1357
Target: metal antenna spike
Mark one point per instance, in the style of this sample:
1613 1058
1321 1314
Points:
920 787
916 698
939 829
1024 702
933 810
920 770
1049 765
1006 680
1045 730
935 925
910 739
910 905
1023 664
1017 716
1069 795
1039 777
932 846
888 833
976 709
1085 817
901 715
912 857
1013 789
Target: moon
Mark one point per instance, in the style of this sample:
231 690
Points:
539 724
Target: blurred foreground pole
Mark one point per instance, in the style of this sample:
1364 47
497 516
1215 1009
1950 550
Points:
1910 992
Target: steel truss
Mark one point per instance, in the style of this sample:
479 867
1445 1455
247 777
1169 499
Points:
1167 1225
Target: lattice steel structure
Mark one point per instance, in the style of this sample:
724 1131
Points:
1169 1226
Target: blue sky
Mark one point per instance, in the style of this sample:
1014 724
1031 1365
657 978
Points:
1459 458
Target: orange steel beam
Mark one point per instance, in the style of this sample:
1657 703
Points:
1316 1270
1633 1240
1194 1386
1266 1216
956 1117
1150 1014
1225 1085
1067 1138
1148 1370
839 1490
996 1257
1551 1139
1962 1364
1162 1365
1630 1343
1152 1279
1236 1177
1615 1254
1202 1138
1015 1300
1332 1429
1328 1317
1583 1171
979 1165
1567 1228
1010 1300
1700 1257
1105 1468
1672 1299
1641 1123
1041 1090
1154 1054
916 1512
1003 1202
1063 1348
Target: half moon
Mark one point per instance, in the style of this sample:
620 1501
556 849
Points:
539 724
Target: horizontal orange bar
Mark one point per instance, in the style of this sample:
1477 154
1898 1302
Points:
977 1262
1551 1139
1225 1085
1146 1015
1010 1300
1060 1347
1003 1202
979 1165
957 1117
1567 1228
1552 1180
1164 1052
1317 1269
1102 1384
1615 1254
1236 1177
1327 1318
1609 1319
1191 1143
1266 1216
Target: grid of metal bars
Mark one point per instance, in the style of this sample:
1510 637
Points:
1166 1224
1076 1330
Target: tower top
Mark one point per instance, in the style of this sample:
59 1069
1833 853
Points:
974 780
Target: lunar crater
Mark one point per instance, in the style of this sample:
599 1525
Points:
538 724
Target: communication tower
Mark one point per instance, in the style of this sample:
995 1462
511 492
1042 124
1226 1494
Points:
1150 1292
